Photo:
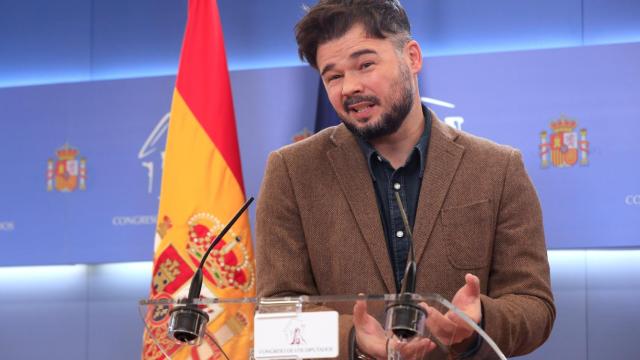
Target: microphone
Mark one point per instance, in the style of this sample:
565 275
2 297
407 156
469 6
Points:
405 318
187 322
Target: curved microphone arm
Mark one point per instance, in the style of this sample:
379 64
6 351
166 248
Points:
187 323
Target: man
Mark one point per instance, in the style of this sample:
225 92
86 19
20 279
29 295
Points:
327 219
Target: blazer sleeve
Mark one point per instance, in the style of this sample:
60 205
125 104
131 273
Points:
518 310
282 260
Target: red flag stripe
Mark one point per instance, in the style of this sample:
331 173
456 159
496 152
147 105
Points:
203 81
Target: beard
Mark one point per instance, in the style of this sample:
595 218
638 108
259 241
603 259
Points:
391 120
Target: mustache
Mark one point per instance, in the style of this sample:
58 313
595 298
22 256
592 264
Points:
351 100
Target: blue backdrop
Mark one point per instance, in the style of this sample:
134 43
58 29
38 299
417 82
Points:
512 97
119 127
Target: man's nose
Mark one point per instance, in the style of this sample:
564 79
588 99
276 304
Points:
351 84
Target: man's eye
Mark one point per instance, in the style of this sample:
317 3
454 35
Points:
366 65
333 77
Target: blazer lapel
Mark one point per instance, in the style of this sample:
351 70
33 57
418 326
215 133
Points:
355 180
443 159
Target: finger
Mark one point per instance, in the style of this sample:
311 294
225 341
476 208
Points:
473 285
360 313
439 325
467 300
370 336
416 348
459 320
468 292
427 308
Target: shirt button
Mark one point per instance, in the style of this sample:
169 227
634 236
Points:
400 233
379 158
396 186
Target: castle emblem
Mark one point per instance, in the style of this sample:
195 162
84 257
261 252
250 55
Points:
68 171
565 146
170 272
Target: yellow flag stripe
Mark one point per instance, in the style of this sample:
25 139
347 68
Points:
196 179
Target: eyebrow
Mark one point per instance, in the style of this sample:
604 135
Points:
353 55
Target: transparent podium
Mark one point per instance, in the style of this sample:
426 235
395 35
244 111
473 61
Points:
407 326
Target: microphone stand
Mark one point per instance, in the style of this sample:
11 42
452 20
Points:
404 317
188 322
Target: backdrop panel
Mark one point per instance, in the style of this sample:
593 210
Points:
575 115
82 162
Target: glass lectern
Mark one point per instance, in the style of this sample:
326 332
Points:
409 326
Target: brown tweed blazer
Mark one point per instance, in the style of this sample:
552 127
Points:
319 229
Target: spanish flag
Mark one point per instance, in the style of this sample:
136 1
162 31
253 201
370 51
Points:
202 189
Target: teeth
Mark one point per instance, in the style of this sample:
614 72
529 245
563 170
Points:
362 108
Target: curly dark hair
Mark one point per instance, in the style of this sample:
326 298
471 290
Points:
330 19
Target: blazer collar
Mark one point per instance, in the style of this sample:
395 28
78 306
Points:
350 167
443 159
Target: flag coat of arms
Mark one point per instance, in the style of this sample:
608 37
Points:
68 172
202 188
565 145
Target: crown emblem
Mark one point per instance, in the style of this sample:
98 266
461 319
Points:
67 153
229 265
563 125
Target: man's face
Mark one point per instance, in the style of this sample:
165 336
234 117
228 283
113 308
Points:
368 82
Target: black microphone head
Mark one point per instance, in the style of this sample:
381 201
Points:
405 318
187 324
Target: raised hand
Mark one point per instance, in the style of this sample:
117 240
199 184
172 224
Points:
370 336
449 328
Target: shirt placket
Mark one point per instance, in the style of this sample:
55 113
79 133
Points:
397 233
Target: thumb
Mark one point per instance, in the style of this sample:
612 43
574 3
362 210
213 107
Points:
473 285
359 313
467 299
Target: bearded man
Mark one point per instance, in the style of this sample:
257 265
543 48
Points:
327 219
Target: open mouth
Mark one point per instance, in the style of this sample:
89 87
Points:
361 107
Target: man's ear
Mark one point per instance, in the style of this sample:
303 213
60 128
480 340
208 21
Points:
413 54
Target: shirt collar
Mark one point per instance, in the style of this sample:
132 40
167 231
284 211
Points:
421 147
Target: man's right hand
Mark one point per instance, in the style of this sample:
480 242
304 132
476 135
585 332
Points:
370 337
372 341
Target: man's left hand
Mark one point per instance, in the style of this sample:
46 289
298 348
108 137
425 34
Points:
449 328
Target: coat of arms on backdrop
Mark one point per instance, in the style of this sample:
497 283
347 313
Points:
565 146
67 172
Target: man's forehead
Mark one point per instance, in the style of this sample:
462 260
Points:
355 42
352 56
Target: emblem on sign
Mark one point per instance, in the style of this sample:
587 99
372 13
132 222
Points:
295 333
67 172
565 147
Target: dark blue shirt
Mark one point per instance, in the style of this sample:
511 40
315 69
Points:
406 180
